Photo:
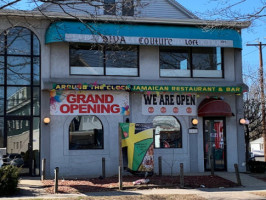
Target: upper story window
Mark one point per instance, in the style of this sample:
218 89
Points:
174 63
100 60
191 62
207 62
109 7
128 8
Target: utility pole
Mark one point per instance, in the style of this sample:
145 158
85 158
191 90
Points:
262 95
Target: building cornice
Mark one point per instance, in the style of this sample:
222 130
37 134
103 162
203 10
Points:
53 16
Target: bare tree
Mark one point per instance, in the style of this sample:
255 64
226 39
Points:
232 10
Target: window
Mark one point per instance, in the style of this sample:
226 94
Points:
100 60
174 63
85 132
191 62
1 132
19 78
87 60
128 8
109 7
122 61
2 100
207 62
19 71
168 132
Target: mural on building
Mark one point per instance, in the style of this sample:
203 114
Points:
138 139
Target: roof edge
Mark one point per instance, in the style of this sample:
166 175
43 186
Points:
191 22
183 9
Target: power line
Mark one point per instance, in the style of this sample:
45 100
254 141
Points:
250 52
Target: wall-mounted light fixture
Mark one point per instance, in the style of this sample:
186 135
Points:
46 120
194 122
243 121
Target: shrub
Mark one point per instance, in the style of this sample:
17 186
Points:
9 177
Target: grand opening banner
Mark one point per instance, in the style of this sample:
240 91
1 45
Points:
68 102
138 139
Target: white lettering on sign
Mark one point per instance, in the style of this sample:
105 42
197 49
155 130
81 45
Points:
149 41
88 102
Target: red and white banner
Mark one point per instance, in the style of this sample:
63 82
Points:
169 104
65 102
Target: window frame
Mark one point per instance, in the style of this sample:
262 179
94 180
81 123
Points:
181 132
190 59
104 49
32 86
128 11
88 149
34 53
170 50
109 8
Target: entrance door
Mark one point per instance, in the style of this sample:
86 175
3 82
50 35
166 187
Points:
214 143
19 143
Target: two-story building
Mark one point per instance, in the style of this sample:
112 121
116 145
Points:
90 67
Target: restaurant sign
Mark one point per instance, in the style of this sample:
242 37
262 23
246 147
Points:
169 104
93 86
89 102
151 88
195 89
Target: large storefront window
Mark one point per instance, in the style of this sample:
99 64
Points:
168 132
177 62
85 132
20 98
100 60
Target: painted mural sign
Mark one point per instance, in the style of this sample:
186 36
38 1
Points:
138 139
67 102
169 104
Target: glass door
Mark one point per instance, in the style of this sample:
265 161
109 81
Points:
214 143
19 144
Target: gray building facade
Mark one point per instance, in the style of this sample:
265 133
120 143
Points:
132 64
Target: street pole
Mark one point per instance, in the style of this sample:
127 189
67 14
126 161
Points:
262 95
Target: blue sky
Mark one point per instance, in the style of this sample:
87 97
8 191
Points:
257 31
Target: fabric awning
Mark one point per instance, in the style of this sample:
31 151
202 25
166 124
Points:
214 107
141 34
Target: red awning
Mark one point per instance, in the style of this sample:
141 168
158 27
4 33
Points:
214 107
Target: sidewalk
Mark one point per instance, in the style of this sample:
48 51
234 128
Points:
31 187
